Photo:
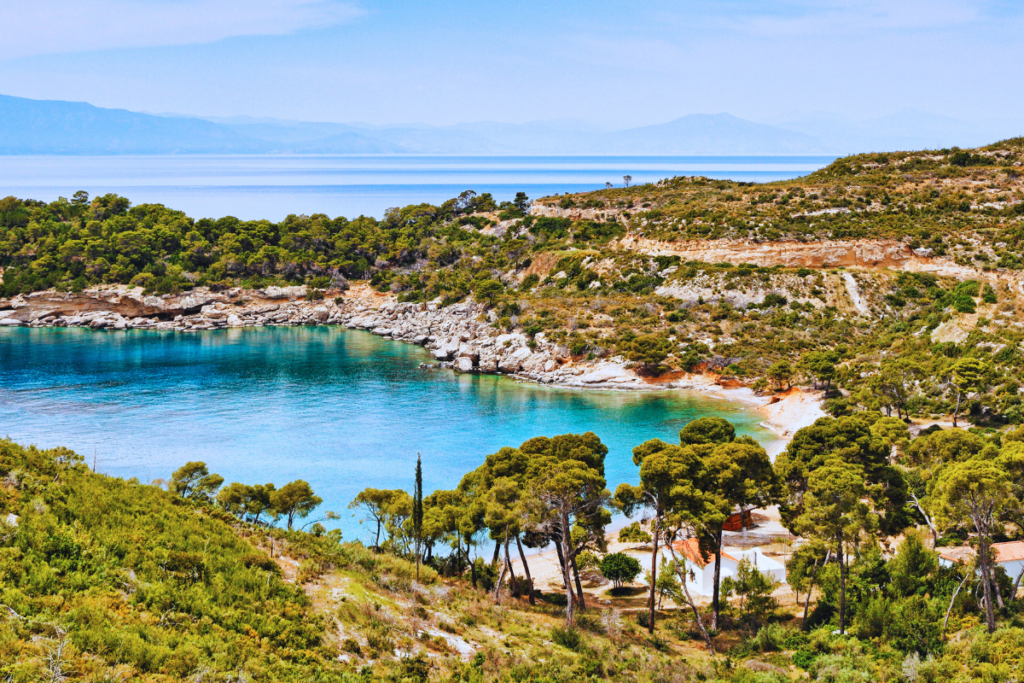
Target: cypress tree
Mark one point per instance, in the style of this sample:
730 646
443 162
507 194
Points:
417 511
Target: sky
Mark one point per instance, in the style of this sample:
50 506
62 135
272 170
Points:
610 63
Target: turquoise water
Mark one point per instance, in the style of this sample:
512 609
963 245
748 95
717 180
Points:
272 186
341 409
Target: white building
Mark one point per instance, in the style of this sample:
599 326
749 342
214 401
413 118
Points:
700 570
1009 556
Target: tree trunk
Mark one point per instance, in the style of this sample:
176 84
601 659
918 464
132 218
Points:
508 560
506 567
561 562
927 519
956 412
718 576
810 588
654 572
563 553
681 575
376 544
579 586
526 569
497 586
986 579
497 551
842 586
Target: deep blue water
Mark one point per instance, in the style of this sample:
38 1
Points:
254 187
341 409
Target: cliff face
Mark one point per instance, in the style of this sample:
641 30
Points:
821 254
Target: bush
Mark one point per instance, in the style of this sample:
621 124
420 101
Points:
620 568
567 636
633 533
529 282
587 560
754 590
770 638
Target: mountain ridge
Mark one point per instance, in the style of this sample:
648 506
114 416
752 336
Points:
59 127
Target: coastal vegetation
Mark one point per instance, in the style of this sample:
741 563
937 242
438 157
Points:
617 274
103 579
106 579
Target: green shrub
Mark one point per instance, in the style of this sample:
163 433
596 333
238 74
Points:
633 533
770 638
529 282
567 636
620 568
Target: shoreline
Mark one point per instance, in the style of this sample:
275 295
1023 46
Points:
460 337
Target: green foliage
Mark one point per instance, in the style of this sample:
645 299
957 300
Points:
194 481
781 372
620 568
295 499
567 637
707 430
633 533
754 590
137 577
648 350
912 569
489 290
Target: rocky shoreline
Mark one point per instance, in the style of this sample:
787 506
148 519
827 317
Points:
460 336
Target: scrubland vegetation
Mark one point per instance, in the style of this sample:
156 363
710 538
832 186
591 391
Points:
914 343
109 580
105 579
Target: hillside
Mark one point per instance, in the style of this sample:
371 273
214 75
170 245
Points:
112 580
889 283
883 261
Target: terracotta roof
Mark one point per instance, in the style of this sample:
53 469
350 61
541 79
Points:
690 549
1004 552
1009 552
961 554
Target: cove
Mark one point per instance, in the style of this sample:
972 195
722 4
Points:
342 409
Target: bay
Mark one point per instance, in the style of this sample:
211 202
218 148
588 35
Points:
342 409
253 187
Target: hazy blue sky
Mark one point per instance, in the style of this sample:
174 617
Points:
385 61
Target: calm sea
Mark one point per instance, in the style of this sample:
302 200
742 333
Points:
341 409
271 187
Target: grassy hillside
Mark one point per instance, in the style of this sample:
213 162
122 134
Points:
111 580
930 198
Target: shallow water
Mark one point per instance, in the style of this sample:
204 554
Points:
341 409
272 186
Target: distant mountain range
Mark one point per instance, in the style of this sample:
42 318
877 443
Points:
55 127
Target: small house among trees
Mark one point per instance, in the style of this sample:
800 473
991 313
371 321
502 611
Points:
1009 556
700 568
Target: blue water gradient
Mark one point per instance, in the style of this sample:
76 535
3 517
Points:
254 187
341 409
